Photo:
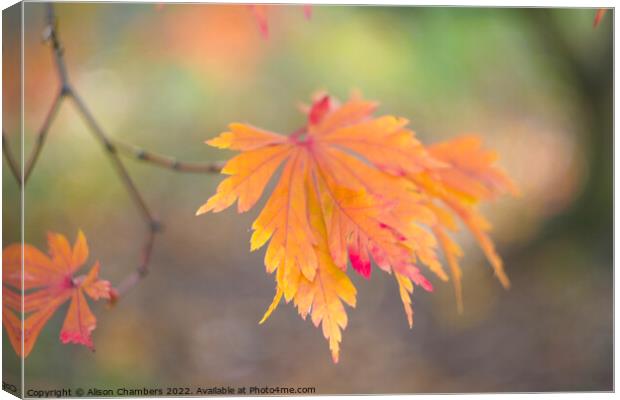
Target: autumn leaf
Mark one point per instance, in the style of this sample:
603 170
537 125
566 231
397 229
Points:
405 288
261 14
49 281
12 298
12 325
599 16
469 178
359 189
323 296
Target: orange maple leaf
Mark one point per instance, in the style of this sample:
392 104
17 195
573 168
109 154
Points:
49 282
261 12
598 17
360 189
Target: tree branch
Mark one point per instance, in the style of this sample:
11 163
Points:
153 226
163 161
42 135
51 34
112 148
112 154
10 160
132 280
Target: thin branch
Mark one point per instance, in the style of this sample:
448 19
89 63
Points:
51 34
68 91
112 154
132 280
153 226
166 161
42 135
10 160
112 148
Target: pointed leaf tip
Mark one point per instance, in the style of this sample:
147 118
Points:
504 280
205 208
272 306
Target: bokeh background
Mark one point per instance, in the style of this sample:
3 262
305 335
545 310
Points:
535 83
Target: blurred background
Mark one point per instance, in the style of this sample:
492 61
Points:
535 83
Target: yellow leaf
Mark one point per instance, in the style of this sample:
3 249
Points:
405 288
323 296
358 188
272 306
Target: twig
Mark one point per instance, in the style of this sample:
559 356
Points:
142 270
42 135
111 152
112 148
51 34
10 160
68 91
166 161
